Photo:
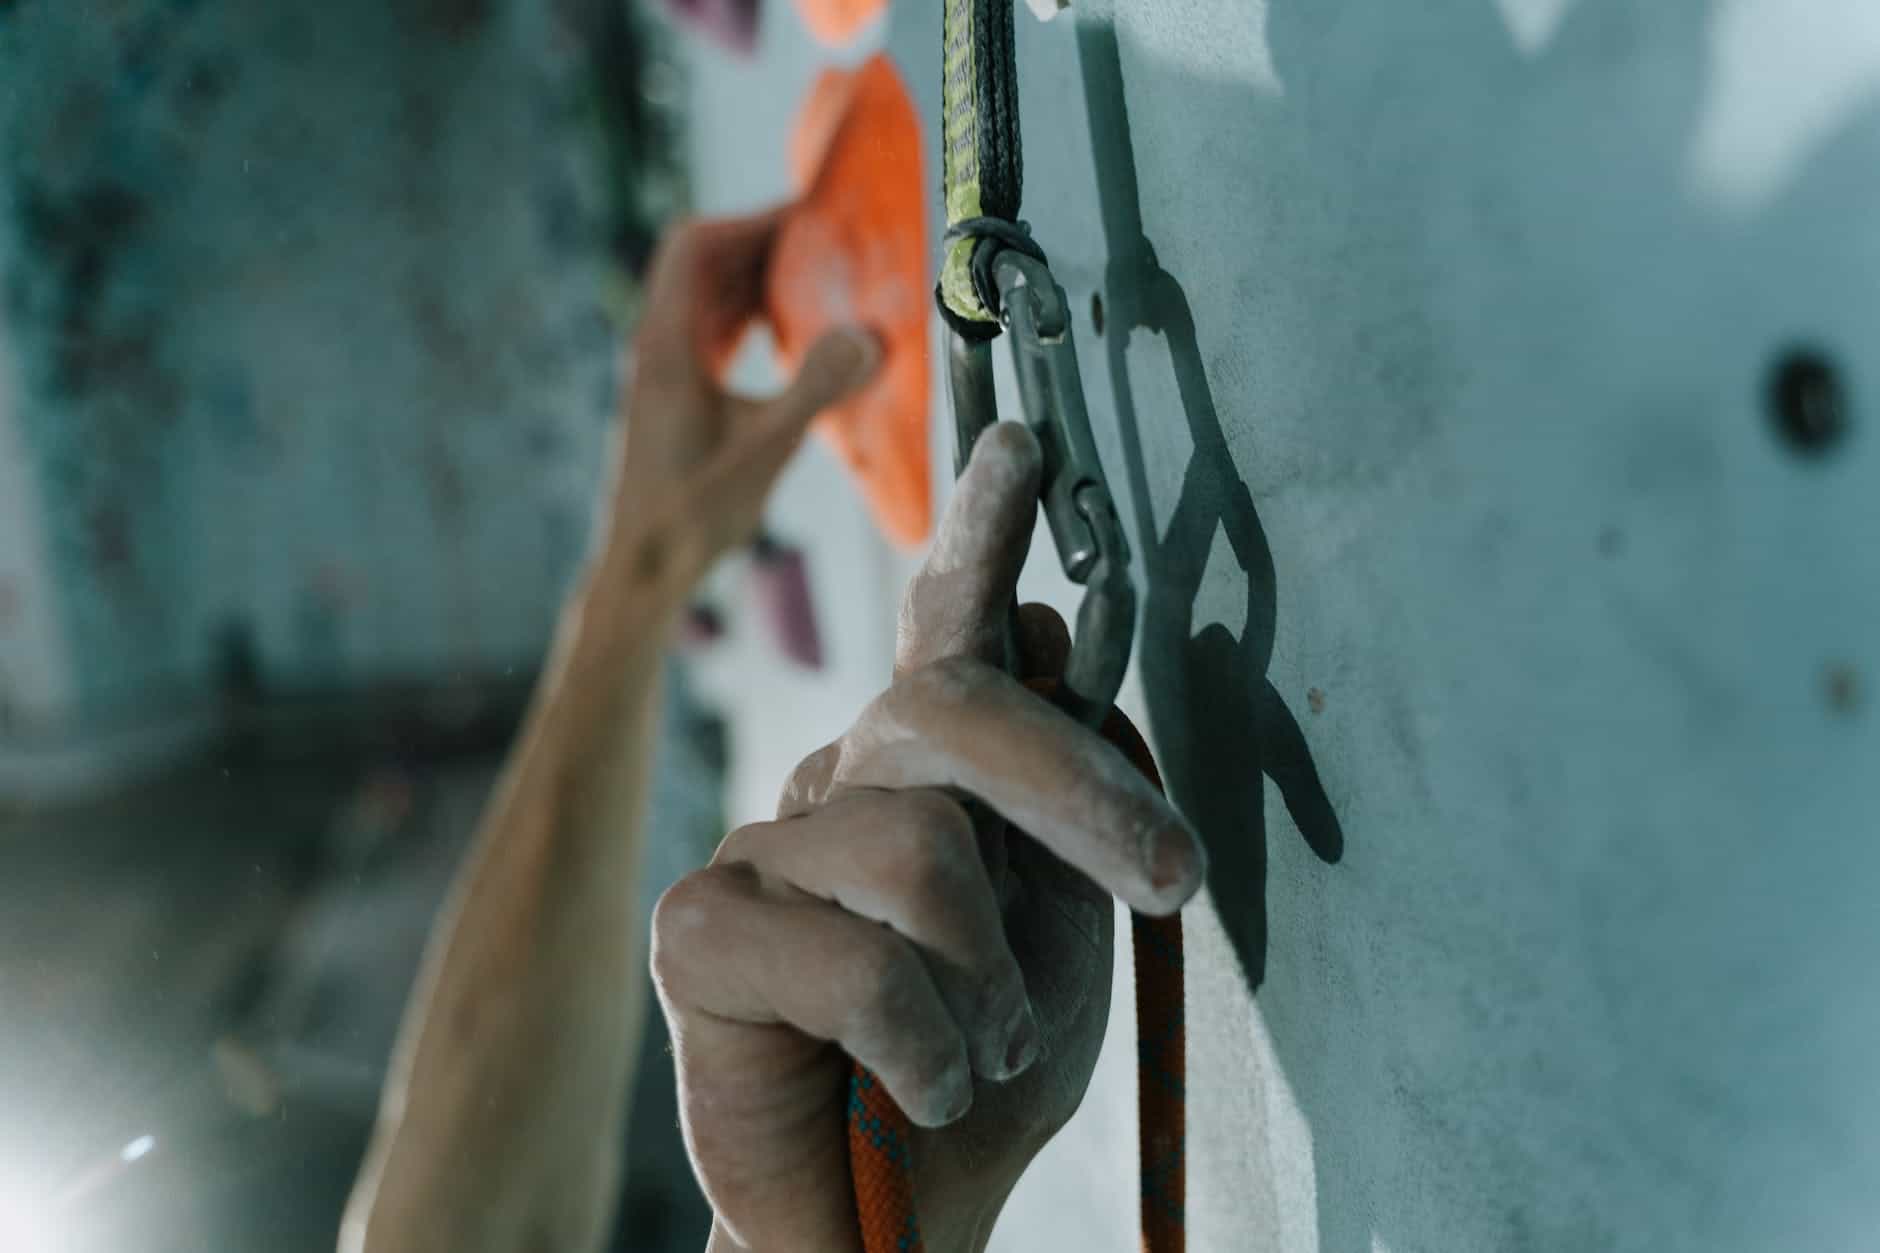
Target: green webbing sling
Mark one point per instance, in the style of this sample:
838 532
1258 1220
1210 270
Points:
982 168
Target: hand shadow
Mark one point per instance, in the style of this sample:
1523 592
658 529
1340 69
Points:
1220 726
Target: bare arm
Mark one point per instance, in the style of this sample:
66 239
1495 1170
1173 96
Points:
507 1091
503 1111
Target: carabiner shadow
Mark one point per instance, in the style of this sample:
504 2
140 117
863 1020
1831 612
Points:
1221 727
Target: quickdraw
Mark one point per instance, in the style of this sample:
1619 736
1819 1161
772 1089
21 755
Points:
995 278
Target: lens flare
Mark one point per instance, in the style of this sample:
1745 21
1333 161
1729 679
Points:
22 1229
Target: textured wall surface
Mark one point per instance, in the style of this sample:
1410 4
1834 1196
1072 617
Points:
1435 361
1438 340
308 308
309 316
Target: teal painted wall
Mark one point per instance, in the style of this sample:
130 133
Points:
1436 367
315 319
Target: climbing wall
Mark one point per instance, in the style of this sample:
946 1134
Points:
1492 385
310 333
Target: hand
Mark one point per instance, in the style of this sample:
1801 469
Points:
966 963
698 462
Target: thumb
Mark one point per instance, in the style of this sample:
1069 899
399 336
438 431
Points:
838 366
734 486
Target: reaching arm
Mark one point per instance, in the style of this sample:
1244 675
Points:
503 1111
507 1091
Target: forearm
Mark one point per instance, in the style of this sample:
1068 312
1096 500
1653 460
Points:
504 1105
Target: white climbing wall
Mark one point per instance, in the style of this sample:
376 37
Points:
1449 443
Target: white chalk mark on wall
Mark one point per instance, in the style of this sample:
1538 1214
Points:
1266 1182
1782 78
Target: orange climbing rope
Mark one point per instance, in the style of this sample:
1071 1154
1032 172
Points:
880 1138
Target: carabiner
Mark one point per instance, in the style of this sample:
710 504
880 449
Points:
1078 507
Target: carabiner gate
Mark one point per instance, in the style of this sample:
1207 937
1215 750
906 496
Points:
1078 507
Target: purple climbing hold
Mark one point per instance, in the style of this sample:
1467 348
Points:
780 593
701 627
731 23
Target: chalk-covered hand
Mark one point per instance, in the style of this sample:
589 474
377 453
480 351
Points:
933 901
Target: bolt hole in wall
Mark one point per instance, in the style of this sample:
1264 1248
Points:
1808 404
1841 688
1808 401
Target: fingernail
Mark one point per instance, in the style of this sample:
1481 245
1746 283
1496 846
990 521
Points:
1175 860
1023 1050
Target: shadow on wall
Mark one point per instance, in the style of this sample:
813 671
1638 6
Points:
1248 733
1404 130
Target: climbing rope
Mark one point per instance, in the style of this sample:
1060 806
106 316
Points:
881 1158
992 275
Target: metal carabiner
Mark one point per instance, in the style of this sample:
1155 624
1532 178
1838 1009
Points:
1078 507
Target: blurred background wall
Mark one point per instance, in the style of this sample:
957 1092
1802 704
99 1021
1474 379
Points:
1487 384
1492 384
310 318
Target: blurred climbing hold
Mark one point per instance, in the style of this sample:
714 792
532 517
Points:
836 22
780 594
729 23
853 251
702 627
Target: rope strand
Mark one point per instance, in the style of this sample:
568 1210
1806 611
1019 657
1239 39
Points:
881 1158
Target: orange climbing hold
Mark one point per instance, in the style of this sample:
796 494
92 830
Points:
835 22
853 251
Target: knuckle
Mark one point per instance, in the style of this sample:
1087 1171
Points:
949 681
958 680
932 842
886 713
678 915
916 603
882 977
944 614
1001 997
808 785
686 918
966 673
940 818
939 1063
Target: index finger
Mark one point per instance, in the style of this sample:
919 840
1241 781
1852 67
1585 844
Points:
960 602
964 725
